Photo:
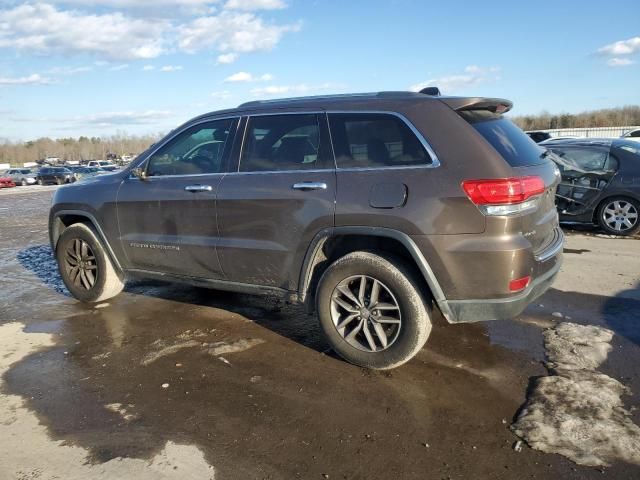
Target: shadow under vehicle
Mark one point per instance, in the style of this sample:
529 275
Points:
600 182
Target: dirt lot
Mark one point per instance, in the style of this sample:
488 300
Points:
168 381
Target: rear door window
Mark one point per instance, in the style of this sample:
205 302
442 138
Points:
505 137
582 159
375 140
282 142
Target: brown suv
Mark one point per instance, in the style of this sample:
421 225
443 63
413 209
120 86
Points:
374 209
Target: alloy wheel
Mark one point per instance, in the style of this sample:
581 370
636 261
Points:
620 215
366 313
80 264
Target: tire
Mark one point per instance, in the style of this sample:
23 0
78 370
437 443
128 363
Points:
40 182
23 182
106 281
59 181
397 284
619 216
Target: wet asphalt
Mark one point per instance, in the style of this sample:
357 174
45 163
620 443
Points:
282 405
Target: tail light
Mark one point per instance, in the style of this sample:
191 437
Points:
505 196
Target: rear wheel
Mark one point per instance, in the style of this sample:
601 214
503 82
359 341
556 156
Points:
59 181
23 182
370 310
40 182
619 216
84 265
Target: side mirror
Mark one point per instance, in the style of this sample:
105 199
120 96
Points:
139 173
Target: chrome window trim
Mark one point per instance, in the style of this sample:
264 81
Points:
435 161
177 132
314 170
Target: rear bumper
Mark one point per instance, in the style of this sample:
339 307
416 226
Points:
467 311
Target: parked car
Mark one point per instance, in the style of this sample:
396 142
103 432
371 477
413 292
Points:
105 165
538 136
87 172
633 135
600 182
372 209
21 176
57 175
6 182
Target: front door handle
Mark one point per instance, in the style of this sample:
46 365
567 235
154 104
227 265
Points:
310 186
198 188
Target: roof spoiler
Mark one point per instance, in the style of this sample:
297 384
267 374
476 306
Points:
495 105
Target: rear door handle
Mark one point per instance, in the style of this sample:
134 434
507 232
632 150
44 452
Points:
198 188
310 186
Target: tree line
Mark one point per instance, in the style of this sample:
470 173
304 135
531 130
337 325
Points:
74 149
606 117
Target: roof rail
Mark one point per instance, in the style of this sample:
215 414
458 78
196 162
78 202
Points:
253 103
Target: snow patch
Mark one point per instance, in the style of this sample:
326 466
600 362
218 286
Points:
577 411
222 348
170 350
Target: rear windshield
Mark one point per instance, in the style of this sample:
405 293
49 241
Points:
512 143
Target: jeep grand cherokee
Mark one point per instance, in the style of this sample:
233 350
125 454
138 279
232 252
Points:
373 209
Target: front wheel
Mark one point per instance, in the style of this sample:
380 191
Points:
619 216
370 310
84 265
40 182
23 182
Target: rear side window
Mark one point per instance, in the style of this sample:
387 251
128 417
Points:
511 143
281 142
582 159
373 140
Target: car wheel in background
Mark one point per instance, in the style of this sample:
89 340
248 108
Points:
23 182
85 267
370 310
619 215
59 181
40 182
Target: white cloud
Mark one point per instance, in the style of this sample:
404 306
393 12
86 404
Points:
148 68
171 68
473 75
34 79
620 62
231 32
69 70
117 68
622 47
254 4
109 119
49 29
298 89
239 77
244 77
226 58
43 29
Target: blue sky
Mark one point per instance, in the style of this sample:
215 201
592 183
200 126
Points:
97 67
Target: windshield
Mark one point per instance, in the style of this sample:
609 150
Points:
510 142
